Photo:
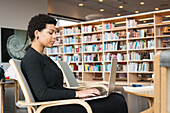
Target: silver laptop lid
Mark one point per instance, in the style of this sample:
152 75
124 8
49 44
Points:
112 77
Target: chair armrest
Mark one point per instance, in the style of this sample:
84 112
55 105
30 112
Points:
46 104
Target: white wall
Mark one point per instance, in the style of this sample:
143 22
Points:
17 13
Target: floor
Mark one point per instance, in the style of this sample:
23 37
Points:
135 103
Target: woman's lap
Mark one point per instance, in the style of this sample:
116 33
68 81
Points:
115 103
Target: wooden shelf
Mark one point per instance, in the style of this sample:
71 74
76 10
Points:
95 32
92 71
68 44
116 29
53 54
142 26
163 24
107 51
149 72
141 38
92 42
101 24
163 48
72 34
114 40
93 52
141 49
71 53
92 61
163 36
140 60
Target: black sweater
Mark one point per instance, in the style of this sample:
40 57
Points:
44 77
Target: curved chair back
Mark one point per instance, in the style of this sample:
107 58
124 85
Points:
68 74
16 66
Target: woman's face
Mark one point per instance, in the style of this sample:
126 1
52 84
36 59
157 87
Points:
47 36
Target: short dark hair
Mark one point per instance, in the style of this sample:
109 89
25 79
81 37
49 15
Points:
39 22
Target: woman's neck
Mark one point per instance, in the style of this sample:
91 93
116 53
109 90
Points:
37 47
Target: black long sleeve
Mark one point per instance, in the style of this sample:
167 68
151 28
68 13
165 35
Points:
44 77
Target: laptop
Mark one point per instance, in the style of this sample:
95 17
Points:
71 81
111 83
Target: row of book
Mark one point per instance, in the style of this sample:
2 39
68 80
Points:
114 35
94 37
72 30
109 26
120 67
133 33
96 67
54 50
91 28
75 67
75 39
115 46
140 67
141 56
165 30
92 48
72 49
74 58
132 23
141 44
93 57
118 56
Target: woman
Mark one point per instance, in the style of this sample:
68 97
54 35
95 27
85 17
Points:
46 80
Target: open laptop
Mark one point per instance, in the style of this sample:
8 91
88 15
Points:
71 81
111 84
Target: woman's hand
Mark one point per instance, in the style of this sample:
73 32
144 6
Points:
87 92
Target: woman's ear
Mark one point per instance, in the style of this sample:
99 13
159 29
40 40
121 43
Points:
36 33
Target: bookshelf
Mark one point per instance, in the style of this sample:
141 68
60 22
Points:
134 39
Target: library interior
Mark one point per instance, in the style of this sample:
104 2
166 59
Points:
89 34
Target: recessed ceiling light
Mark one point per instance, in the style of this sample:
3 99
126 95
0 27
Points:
120 6
142 3
80 5
100 0
101 10
118 14
144 21
156 8
136 11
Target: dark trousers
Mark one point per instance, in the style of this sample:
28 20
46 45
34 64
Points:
115 103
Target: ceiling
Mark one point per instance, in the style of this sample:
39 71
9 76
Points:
70 8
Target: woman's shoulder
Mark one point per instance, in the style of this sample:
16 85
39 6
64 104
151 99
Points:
31 56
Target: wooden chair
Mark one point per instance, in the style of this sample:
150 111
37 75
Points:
162 82
71 81
32 106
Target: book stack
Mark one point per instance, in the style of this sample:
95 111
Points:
132 23
92 48
141 44
139 67
109 26
75 39
92 38
94 67
53 50
92 57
